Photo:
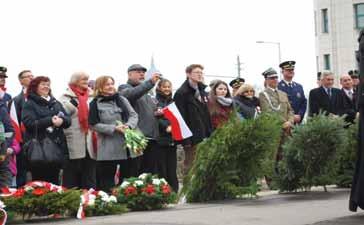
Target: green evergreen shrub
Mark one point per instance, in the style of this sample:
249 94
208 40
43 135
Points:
346 158
310 153
228 164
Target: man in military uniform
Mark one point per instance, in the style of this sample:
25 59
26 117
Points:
293 90
276 101
3 95
236 83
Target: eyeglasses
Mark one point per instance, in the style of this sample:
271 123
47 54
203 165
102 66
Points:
28 76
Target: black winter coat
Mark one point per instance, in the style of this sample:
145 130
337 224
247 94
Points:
37 110
346 106
194 112
165 139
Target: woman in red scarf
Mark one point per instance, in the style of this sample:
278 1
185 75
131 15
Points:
80 170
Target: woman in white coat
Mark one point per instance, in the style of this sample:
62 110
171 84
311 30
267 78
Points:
80 170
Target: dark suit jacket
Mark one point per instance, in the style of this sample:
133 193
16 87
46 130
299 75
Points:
18 101
319 101
346 106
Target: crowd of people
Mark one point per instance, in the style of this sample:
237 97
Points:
88 121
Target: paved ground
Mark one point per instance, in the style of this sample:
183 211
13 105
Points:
315 208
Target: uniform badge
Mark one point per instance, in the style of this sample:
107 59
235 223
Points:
283 85
298 95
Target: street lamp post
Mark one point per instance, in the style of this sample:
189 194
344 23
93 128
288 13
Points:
279 50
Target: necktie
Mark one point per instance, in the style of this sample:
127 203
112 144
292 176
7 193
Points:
290 85
350 93
329 92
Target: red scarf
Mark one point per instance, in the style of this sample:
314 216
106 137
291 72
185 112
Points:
82 96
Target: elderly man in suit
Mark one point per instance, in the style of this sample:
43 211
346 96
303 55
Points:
346 101
324 98
273 100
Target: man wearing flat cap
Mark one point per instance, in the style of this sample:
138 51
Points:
236 83
3 95
136 90
272 100
293 90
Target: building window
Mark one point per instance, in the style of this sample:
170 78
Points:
325 21
359 15
327 65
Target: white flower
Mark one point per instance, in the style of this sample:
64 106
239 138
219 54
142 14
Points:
103 194
143 176
138 183
28 188
2 205
163 181
156 181
113 199
125 184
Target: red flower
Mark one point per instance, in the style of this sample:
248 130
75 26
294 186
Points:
19 193
39 191
149 189
130 190
5 190
166 189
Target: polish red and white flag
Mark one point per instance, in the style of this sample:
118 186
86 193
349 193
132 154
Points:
16 125
180 129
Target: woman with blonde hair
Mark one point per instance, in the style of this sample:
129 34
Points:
245 102
107 110
80 168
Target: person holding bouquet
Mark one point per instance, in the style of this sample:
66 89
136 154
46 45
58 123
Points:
110 116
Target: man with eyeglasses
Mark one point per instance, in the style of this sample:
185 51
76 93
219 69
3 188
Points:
191 100
25 77
273 100
293 90
325 98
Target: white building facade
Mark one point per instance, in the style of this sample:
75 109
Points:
337 26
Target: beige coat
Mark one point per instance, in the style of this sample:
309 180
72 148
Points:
77 141
271 101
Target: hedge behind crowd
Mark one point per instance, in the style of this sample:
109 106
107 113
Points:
314 153
228 164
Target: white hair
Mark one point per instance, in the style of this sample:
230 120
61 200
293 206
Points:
326 73
77 76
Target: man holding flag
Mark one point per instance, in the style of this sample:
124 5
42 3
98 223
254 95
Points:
191 101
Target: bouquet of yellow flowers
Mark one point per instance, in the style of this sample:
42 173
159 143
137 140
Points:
134 139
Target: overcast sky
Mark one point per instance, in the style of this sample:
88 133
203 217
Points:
56 38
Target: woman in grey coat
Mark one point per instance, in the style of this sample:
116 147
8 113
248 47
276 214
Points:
80 169
106 109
